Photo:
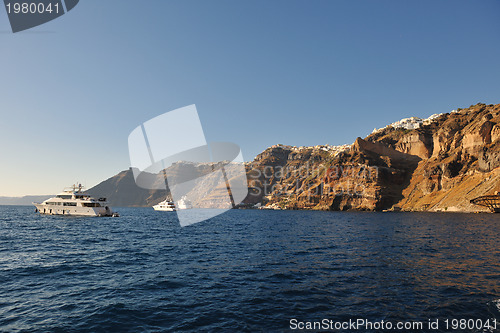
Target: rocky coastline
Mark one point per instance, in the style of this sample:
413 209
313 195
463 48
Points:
436 164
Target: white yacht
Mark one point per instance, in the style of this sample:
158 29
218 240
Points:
184 203
165 206
72 201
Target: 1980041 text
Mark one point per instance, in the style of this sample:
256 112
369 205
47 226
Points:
32 8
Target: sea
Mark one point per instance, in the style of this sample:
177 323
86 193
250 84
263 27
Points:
249 271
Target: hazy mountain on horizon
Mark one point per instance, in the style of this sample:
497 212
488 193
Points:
24 200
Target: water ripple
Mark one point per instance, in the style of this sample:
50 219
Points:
243 271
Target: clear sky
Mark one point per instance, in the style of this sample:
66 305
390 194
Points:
260 73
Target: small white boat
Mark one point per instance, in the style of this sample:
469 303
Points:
184 203
72 201
165 206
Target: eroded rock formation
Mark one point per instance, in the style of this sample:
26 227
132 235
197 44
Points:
438 166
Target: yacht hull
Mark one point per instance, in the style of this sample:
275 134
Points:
73 211
164 209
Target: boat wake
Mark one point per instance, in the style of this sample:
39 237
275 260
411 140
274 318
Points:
494 308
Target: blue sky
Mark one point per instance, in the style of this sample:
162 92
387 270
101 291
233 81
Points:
259 72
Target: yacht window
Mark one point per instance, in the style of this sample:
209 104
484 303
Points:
69 203
64 196
90 204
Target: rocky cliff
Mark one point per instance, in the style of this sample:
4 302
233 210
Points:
437 164
463 160
365 176
433 164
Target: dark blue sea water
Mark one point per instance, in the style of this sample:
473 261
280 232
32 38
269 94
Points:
245 270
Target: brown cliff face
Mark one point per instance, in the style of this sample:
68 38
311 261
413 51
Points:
438 167
464 164
369 176
416 143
